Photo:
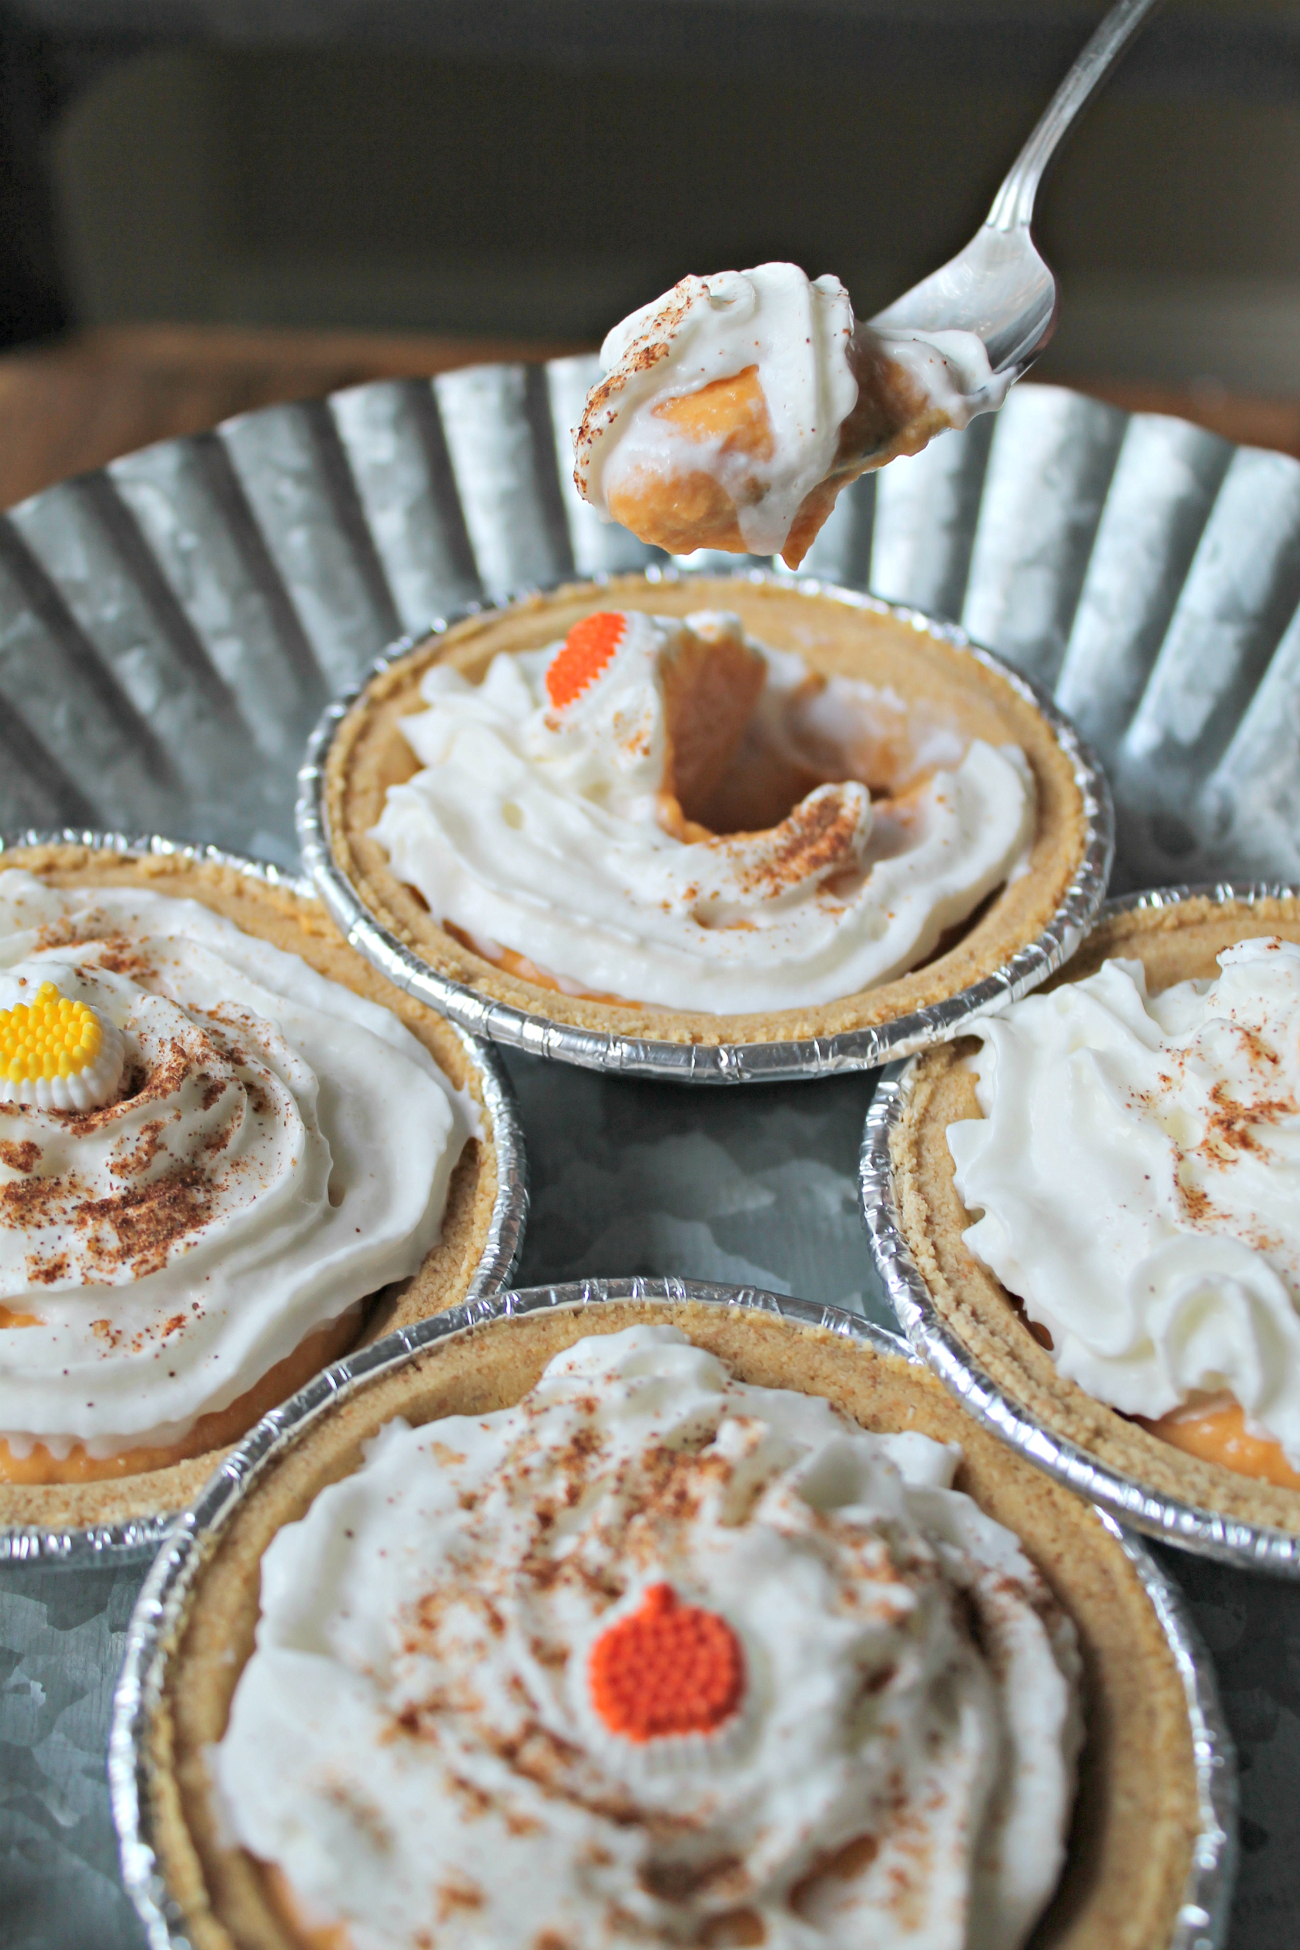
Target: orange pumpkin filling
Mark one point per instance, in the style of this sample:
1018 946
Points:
666 1668
312 1936
528 970
1215 1431
733 410
213 1431
692 509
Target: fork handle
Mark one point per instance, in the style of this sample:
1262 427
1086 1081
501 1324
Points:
1013 206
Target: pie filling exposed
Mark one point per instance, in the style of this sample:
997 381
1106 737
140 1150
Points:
671 812
1137 1175
733 410
209 1155
656 1656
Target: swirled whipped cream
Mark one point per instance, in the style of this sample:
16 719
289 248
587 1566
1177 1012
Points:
727 405
656 1656
1137 1172
276 1149
576 827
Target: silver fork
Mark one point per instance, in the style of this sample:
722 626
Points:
999 286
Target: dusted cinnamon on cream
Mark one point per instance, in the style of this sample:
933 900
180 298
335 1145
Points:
1136 1172
656 1656
734 409
673 813
264 1150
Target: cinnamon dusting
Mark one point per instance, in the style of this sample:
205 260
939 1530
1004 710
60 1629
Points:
19 1154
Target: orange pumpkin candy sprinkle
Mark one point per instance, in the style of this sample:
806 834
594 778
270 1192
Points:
666 1668
587 649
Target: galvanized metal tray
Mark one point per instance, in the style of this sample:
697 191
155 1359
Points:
1203 1916
138 1538
1251 1547
172 625
703 1062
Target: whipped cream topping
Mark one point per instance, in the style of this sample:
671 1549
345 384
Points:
278 1149
795 331
423 1740
950 371
811 360
542 829
1137 1169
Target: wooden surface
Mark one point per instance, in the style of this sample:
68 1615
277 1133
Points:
71 406
1247 420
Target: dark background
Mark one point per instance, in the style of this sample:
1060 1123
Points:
536 167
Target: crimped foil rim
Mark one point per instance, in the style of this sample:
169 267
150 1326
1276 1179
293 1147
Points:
1202 1918
140 1536
1205 1911
854 1049
1206 1533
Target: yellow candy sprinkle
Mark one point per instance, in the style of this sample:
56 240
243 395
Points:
48 1037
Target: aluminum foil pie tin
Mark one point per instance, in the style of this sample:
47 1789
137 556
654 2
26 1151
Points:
114 1543
856 1049
1203 1917
1251 1547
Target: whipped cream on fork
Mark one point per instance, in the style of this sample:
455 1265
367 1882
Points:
733 409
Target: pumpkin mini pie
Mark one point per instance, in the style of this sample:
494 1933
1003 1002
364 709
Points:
634 1622
706 810
228 1152
1099 1198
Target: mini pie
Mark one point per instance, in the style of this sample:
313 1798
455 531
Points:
1174 942
1130 1846
835 639
288 922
